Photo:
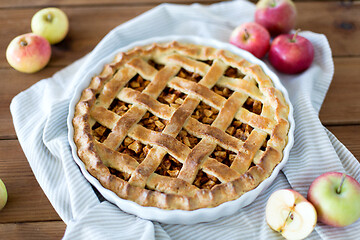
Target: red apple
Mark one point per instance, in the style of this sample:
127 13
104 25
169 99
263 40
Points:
3 195
291 53
28 53
251 37
336 197
277 16
289 213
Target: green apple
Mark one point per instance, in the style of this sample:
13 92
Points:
336 197
290 214
51 23
3 195
28 53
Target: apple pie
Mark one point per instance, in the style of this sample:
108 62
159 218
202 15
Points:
180 126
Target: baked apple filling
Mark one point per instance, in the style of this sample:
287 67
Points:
123 175
156 65
119 107
134 148
169 167
224 156
171 97
253 106
100 132
195 77
204 113
153 122
263 147
205 181
137 83
222 91
233 73
208 62
188 139
239 130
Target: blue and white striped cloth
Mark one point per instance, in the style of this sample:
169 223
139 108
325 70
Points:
40 113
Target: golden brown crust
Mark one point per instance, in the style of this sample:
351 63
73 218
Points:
252 164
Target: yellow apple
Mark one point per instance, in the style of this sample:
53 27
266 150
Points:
51 23
3 195
336 197
290 214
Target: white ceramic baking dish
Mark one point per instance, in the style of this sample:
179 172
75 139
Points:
177 216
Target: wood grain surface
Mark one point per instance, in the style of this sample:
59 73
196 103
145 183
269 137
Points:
28 213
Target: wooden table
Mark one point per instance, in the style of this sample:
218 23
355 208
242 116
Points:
28 213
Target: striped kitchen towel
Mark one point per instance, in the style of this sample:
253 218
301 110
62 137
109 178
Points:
40 113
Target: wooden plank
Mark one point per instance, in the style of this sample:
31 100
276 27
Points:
349 136
53 230
331 19
342 104
82 36
13 83
339 22
59 3
26 201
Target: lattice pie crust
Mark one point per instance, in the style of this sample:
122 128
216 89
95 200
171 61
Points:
180 126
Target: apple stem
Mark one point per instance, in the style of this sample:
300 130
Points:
49 17
23 43
295 35
273 3
338 190
247 35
